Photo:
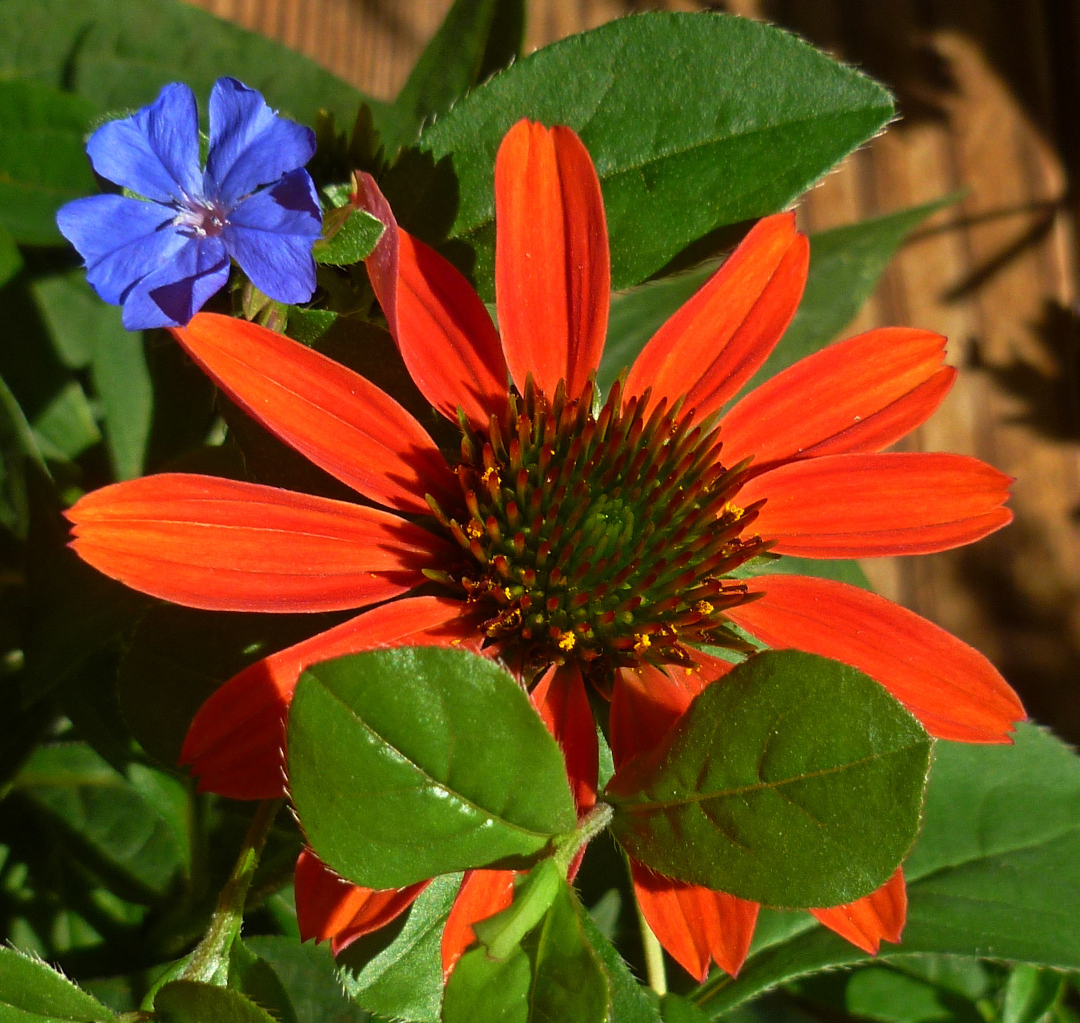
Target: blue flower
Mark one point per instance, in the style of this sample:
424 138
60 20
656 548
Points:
163 258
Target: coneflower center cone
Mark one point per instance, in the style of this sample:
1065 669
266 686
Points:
605 536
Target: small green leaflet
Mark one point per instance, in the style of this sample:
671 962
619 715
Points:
352 240
797 782
40 992
188 1001
408 763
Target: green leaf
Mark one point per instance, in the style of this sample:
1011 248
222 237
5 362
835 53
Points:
66 426
882 994
119 53
188 1001
10 257
43 161
104 815
41 993
840 569
17 447
256 979
676 1009
486 990
532 899
88 332
476 39
568 977
1030 994
404 979
308 325
845 266
993 873
744 119
629 1002
308 975
354 240
408 763
798 782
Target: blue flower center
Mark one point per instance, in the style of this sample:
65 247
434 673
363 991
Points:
201 218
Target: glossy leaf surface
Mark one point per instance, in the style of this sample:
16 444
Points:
993 872
798 781
667 178
408 763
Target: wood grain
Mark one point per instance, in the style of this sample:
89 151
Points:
986 90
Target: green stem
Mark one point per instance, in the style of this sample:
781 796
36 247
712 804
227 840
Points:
225 924
598 818
654 956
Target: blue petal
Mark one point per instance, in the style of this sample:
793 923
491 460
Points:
155 152
250 145
271 234
120 239
170 296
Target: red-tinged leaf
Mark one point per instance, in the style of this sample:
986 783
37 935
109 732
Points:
223 545
876 505
552 272
483 893
872 919
696 926
328 908
331 415
444 333
719 338
862 394
235 745
951 688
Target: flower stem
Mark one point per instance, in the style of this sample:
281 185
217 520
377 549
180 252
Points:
654 956
212 952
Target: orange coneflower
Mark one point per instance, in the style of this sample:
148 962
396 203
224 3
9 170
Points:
577 539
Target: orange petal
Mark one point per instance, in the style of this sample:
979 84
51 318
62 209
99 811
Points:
696 926
720 337
444 333
236 742
870 920
862 394
952 689
868 506
331 415
552 268
563 704
329 907
483 893
222 545
647 701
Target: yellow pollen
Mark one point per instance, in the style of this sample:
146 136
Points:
489 475
474 530
703 607
734 510
641 643
567 641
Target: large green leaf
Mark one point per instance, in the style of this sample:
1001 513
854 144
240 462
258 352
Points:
408 763
629 1002
308 975
798 782
119 53
486 990
845 265
476 39
742 120
42 160
404 979
31 991
993 873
